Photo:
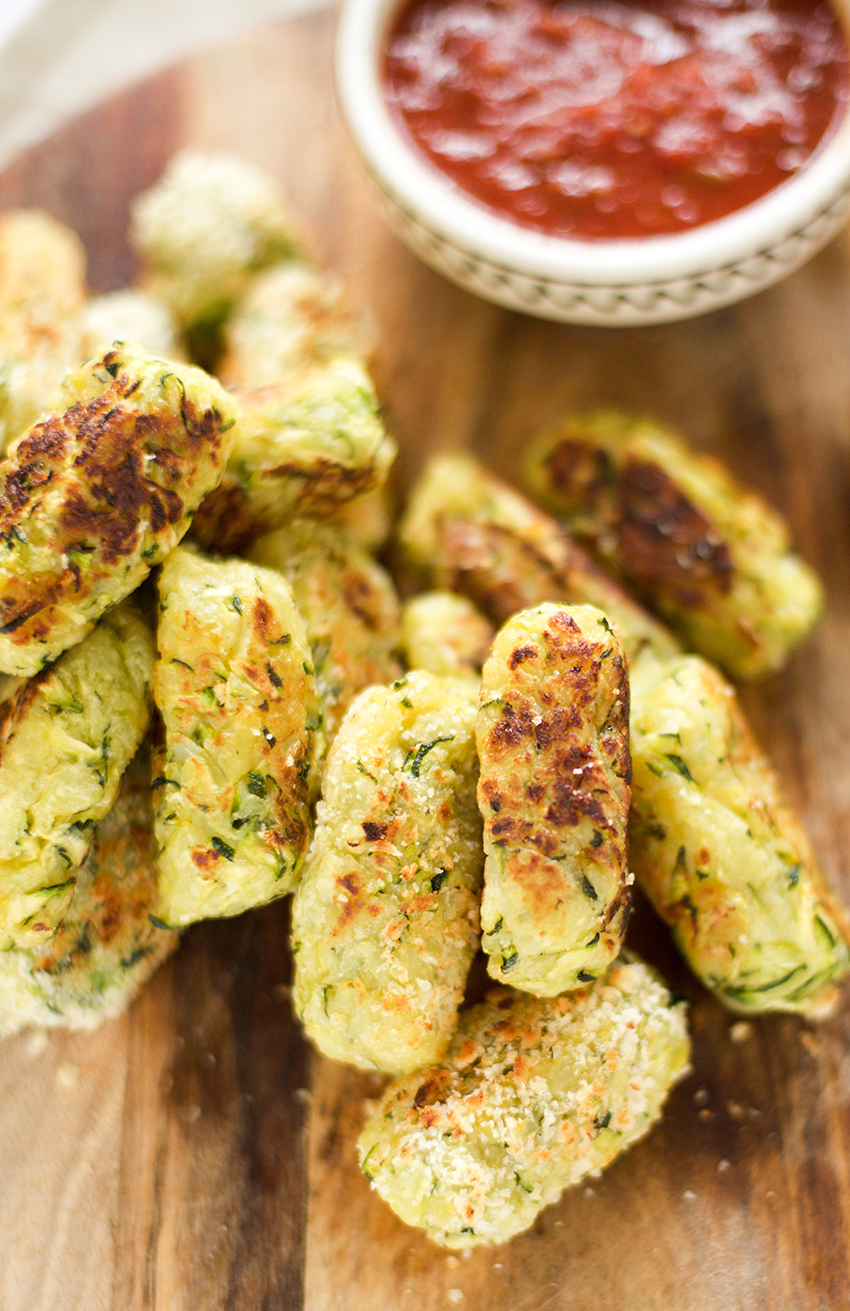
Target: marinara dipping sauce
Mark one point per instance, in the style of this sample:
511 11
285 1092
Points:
602 120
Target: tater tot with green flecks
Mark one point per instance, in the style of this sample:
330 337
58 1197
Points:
720 855
553 744
42 288
532 1096
205 228
131 315
349 607
238 773
107 946
292 316
466 530
714 559
93 498
307 446
385 920
66 737
444 633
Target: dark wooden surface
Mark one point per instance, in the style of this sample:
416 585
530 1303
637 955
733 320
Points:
194 1156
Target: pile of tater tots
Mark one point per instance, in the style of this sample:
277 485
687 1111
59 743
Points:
212 697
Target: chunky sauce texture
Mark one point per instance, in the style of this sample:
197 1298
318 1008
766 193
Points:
601 120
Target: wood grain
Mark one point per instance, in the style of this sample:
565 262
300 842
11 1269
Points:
194 1155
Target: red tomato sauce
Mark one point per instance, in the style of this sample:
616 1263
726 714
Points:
603 120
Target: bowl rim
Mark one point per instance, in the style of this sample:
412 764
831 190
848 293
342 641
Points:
433 200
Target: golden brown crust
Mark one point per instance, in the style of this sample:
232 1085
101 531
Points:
479 551
714 559
103 507
93 497
306 445
223 521
467 530
228 519
663 535
14 711
554 792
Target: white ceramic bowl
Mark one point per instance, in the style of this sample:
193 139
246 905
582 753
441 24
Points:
610 283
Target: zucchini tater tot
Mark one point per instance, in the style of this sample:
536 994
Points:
205 228
292 316
385 920
42 288
306 446
349 607
368 519
93 498
553 745
238 773
131 315
532 1096
466 530
714 559
66 737
107 946
720 855
444 633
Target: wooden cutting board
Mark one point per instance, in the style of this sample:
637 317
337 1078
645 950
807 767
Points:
194 1156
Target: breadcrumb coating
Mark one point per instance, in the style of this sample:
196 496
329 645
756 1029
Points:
532 1096
385 921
